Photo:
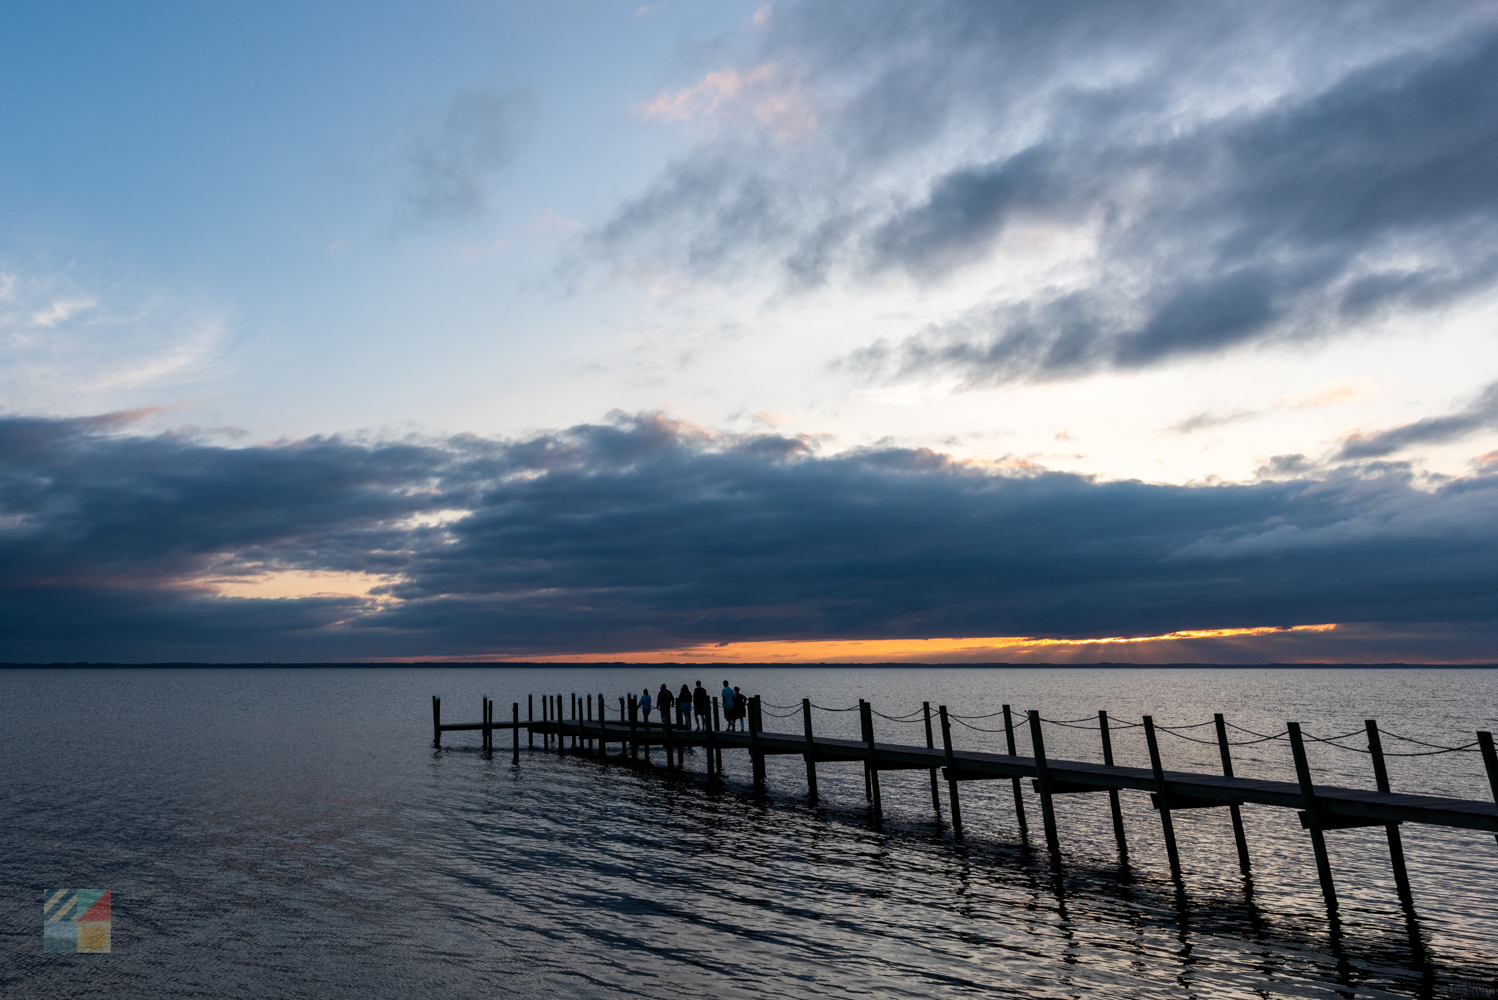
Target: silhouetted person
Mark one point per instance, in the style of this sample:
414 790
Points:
684 707
728 706
645 707
702 705
663 702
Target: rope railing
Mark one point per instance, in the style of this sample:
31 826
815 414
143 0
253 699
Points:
1090 723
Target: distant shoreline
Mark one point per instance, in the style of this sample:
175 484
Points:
997 665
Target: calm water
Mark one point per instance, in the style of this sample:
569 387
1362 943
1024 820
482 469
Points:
291 833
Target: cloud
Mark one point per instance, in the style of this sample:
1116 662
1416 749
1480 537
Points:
1480 415
648 533
69 346
1207 419
451 166
1207 177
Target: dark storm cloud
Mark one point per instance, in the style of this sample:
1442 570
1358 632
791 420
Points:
643 532
1482 414
1247 173
451 166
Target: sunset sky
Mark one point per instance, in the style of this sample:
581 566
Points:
746 332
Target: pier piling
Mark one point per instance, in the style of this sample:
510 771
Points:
1043 783
1113 803
1162 799
756 751
1310 817
1391 830
1489 761
1019 797
436 721
954 802
811 751
871 764
930 745
1237 813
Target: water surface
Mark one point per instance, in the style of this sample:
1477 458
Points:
290 832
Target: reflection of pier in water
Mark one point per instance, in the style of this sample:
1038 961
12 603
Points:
1321 808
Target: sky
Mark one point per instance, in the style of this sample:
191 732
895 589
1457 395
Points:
749 332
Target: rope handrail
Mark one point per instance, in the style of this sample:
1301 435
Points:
773 705
908 717
979 729
778 715
1213 743
1394 753
1407 739
824 708
990 715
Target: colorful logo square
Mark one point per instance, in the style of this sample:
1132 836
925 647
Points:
76 921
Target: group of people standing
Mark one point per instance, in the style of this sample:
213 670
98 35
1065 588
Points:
694 706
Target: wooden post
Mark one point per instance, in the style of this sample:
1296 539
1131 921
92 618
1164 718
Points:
863 734
1489 761
946 742
872 765
634 728
1396 842
588 743
515 729
931 745
576 715
484 721
717 749
811 751
1162 799
530 718
546 722
603 742
436 721
756 725
1043 778
1118 823
1019 798
710 737
670 741
1313 817
1233 808
623 718
561 727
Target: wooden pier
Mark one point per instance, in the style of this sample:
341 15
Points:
1321 808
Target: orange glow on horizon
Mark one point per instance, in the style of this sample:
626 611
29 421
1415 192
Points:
979 649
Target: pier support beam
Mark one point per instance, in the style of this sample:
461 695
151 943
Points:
1162 799
436 721
1019 797
811 751
1113 804
1489 761
955 802
488 731
515 728
871 765
1396 842
634 728
1043 780
1313 818
1233 808
530 717
715 756
756 753
930 745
